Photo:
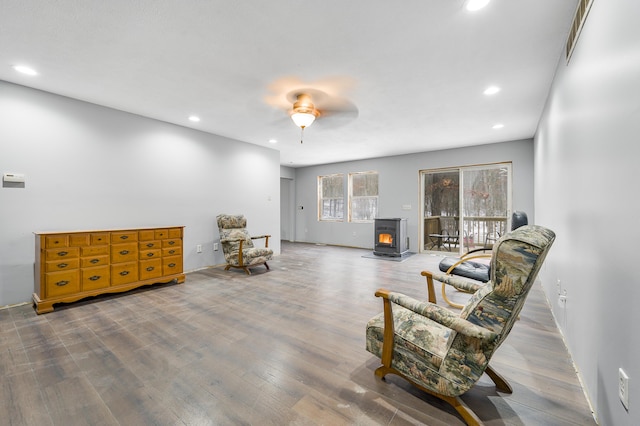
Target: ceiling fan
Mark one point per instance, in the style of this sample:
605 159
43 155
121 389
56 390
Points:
306 105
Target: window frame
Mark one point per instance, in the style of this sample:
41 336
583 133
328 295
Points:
321 198
351 196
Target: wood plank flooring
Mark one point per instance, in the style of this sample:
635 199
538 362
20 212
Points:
279 347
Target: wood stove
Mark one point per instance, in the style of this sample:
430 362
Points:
390 237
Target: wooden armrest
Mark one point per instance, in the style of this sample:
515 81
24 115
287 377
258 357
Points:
266 242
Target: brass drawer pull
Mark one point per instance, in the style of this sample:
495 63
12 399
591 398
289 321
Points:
95 278
62 283
150 245
149 254
171 251
62 265
171 265
123 273
150 268
94 261
171 243
63 253
123 252
124 237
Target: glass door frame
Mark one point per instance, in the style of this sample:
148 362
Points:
461 220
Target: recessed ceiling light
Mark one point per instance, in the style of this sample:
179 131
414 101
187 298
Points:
498 126
473 5
491 90
194 118
273 141
25 69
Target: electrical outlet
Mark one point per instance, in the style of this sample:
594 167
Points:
562 299
623 388
215 246
199 248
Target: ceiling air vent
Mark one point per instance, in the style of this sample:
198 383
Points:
578 21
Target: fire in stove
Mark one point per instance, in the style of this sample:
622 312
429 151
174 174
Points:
385 239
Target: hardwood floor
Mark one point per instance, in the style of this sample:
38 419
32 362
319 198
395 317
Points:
279 347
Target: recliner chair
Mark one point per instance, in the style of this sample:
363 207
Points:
237 244
445 354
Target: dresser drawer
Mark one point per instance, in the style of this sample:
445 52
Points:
94 250
175 233
150 269
62 253
174 242
94 278
99 238
161 234
151 244
61 283
150 254
172 251
87 262
54 241
171 265
124 252
124 237
62 265
146 235
124 273
78 240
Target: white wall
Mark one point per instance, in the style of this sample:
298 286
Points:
399 185
90 167
586 159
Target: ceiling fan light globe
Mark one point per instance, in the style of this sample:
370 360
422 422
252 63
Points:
473 5
303 119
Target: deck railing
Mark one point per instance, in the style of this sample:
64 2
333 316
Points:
477 231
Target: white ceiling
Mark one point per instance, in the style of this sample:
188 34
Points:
412 71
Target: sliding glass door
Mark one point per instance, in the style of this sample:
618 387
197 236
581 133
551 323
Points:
465 207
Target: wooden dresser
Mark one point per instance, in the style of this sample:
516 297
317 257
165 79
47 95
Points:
73 265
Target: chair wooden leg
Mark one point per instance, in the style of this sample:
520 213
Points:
226 268
501 382
463 409
246 270
265 264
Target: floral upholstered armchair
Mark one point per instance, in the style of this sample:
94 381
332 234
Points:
444 353
237 244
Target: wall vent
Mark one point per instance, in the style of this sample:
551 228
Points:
578 21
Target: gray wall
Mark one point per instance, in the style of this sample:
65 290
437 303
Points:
586 159
90 167
399 185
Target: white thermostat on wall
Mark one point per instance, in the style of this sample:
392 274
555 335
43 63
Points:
13 177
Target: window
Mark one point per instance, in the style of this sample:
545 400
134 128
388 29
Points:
331 197
363 196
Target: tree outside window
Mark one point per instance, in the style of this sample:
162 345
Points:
363 196
331 197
